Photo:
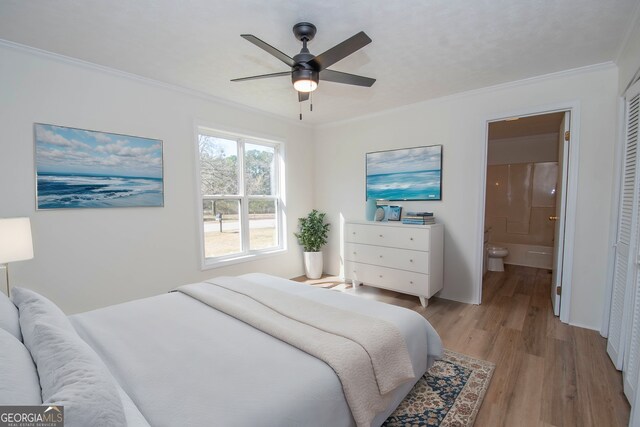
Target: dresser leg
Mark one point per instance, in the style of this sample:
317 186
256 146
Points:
355 283
424 301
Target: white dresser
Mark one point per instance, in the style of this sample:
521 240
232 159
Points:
391 255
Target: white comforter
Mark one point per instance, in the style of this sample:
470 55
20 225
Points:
184 363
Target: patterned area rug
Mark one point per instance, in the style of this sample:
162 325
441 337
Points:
449 394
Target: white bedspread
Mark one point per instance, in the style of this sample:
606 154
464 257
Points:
183 363
368 355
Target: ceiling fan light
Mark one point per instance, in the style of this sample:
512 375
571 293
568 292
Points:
305 79
305 85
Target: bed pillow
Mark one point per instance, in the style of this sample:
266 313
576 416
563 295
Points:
33 308
9 317
73 375
18 377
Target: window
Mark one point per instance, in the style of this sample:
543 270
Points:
239 197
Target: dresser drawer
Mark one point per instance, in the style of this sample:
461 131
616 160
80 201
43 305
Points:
402 259
397 237
389 278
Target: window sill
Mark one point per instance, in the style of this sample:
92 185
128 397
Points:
211 263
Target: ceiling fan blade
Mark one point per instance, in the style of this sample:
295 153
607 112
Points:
340 51
269 49
262 76
303 96
348 79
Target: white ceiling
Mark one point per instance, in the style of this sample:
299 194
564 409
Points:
421 49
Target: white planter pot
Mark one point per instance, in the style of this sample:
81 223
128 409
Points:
313 265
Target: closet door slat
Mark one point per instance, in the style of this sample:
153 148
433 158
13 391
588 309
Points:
631 355
625 262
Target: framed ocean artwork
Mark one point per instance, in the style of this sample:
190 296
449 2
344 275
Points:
78 168
405 174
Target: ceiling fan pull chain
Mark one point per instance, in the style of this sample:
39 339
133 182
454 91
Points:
300 105
311 101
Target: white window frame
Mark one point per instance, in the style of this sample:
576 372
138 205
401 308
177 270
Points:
278 189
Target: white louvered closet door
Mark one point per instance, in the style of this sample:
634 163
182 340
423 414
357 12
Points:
624 267
631 357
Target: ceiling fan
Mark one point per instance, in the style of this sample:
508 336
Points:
307 69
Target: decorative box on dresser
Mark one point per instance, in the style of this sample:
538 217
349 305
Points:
391 255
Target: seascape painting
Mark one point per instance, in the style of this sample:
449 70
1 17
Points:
77 168
405 174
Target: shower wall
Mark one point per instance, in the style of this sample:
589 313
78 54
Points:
520 199
522 173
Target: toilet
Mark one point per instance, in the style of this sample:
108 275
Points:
496 257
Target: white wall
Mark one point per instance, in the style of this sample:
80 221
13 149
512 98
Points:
459 122
90 258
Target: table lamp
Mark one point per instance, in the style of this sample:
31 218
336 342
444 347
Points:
15 243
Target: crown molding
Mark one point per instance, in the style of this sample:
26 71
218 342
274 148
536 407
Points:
147 81
290 121
483 90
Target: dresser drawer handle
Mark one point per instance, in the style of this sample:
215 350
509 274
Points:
381 235
380 256
410 238
411 282
409 260
353 232
354 253
381 276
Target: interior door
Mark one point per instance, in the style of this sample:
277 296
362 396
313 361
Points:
561 207
631 359
631 315
623 268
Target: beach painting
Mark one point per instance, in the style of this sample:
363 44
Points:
77 168
405 174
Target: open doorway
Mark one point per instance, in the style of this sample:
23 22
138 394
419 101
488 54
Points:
526 194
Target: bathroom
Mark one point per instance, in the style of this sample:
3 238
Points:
521 192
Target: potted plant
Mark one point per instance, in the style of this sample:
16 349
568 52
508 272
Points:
313 236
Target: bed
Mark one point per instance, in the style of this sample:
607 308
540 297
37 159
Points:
175 360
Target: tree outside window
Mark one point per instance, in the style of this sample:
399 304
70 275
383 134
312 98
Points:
239 187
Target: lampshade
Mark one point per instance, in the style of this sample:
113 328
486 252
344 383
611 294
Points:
15 240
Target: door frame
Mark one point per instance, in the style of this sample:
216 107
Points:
571 195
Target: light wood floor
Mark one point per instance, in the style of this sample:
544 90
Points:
547 373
